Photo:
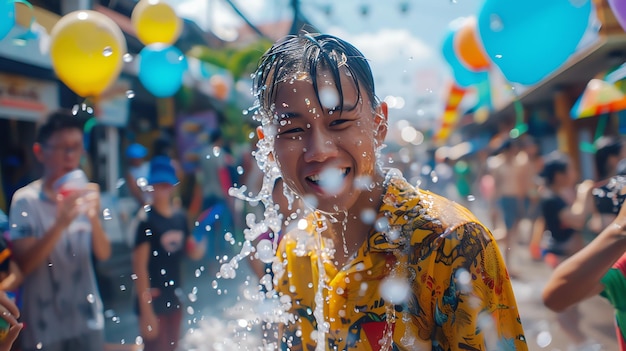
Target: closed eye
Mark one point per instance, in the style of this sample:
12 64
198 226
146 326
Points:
338 122
290 131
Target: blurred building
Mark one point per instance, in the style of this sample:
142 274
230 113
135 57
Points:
547 105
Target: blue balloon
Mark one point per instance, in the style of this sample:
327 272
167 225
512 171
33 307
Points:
463 76
7 17
161 69
530 39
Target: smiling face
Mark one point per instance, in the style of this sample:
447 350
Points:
324 149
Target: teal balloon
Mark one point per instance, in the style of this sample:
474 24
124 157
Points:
462 76
7 17
530 39
161 69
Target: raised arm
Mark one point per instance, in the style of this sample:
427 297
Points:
579 277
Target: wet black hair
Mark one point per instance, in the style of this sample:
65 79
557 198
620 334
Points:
59 120
311 53
554 163
606 147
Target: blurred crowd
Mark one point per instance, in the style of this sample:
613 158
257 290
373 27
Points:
531 199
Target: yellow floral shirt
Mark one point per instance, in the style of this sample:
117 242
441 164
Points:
458 295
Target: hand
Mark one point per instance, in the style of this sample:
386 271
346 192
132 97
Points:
91 201
68 208
10 313
148 325
620 219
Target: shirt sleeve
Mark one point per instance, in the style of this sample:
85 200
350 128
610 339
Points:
20 225
614 282
472 305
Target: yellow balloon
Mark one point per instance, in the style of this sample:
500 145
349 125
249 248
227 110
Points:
87 49
156 22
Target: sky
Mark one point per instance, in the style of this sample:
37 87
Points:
404 48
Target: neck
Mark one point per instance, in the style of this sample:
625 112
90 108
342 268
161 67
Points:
349 230
162 206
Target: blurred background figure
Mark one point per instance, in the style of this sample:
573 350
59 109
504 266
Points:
511 188
161 242
213 179
564 213
137 171
56 233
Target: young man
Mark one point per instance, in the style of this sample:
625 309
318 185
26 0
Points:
381 265
55 238
161 242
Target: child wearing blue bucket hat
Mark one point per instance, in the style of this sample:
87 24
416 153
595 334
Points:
161 242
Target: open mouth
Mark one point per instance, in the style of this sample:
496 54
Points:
330 179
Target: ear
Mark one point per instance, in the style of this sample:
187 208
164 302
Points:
38 151
381 119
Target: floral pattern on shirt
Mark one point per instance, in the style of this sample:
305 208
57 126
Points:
459 292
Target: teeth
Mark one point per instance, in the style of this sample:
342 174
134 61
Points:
316 177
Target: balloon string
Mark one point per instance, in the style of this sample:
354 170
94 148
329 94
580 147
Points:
520 127
91 122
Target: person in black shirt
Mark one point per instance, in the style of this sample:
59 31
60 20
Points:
563 207
161 242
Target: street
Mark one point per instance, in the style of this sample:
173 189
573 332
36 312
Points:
216 313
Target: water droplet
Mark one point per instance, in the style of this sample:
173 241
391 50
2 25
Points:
329 97
122 287
130 94
331 180
127 58
91 298
24 214
148 232
368 216
495 23
394 290
544 339
108 51
239 170
106 214
75 109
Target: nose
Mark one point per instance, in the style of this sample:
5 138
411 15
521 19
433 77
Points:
321 146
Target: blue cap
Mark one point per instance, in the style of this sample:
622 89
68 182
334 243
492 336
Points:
136 151
162 171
